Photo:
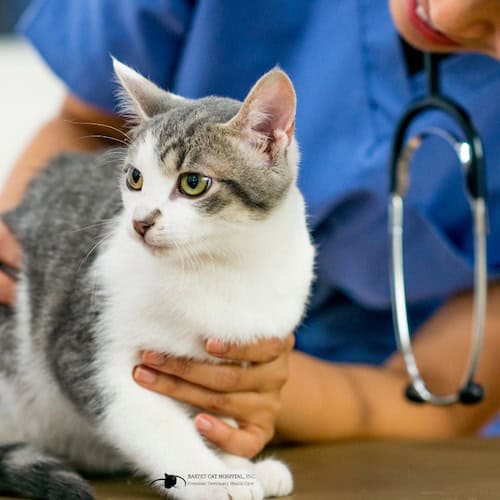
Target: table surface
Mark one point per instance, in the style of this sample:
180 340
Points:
463 469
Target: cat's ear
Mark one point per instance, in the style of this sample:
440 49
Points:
267 117
142 98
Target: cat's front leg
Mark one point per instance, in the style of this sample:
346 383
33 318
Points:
158 437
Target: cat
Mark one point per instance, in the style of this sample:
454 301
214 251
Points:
196 229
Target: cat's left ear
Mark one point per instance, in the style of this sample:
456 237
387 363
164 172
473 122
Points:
267 117
143 99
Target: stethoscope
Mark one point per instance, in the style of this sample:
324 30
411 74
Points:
470 155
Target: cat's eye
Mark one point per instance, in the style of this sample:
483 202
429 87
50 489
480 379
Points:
191 184
134 179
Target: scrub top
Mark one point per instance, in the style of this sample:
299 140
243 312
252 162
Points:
352 82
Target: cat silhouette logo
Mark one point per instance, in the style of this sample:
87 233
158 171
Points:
169 481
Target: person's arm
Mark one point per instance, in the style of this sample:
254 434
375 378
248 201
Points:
70 130
323 401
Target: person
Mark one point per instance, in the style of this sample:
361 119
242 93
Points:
353 76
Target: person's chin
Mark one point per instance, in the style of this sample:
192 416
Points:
411 20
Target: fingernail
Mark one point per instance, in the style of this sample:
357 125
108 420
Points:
153 358
217 346
144 375
203 424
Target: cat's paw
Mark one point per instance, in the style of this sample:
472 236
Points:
275 477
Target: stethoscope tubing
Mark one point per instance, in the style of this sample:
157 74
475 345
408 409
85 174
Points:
470 155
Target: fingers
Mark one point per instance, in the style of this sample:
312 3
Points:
7 290
225 377
239 405
262 351
246 441
249 394
10 254
10 251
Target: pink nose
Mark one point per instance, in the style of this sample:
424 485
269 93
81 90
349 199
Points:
141 226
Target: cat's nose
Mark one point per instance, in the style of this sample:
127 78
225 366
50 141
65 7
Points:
141 226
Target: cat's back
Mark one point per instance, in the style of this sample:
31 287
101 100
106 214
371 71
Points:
65 214
74 189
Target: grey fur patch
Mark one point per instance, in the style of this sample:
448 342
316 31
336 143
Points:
29 473
212 204
245 197
8 449
59 225
8 344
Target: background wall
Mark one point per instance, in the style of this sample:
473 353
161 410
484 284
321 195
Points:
10 10
29 93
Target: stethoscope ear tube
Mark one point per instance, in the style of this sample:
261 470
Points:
470 156
469 151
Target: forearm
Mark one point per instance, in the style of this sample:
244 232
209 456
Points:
327 401
324 401
65 132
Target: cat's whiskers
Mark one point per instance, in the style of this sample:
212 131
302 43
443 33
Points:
99 242
180 252
101 125
108 137
191 261
111 155
209 257
195 265
93 293
114 156
199 260
99 223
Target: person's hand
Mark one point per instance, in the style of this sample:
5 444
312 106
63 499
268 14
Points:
449 25
250 395
10 255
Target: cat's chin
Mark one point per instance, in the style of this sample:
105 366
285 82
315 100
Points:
156 249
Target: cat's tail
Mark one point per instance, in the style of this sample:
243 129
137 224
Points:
27 472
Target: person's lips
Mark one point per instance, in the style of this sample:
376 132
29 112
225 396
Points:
420 20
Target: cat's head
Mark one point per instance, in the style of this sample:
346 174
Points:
197 171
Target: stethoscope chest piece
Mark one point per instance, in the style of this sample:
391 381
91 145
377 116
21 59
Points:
469 152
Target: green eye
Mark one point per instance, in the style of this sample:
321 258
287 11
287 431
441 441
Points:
194 184
134 179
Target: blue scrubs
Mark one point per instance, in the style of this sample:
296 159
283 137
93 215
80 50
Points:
346 61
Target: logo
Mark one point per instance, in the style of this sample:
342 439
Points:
169 481
207 479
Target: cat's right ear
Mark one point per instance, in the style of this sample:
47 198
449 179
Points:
142 99
267 116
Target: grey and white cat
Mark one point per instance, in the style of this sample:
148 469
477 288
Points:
204 236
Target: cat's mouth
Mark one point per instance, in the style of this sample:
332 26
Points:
152 244
155 247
